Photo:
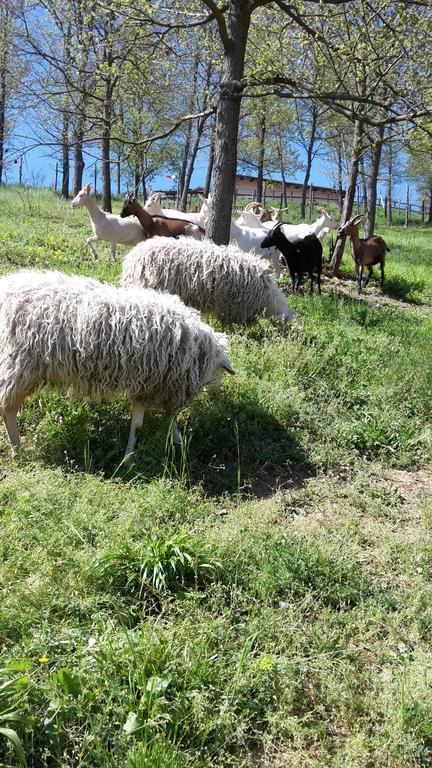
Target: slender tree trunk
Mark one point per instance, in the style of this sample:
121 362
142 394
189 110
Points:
430 206
3 64
137 180
390 185
227 120
339 180
309 157
349 196
105 158
191 163
182 192
261 155
79 163
364 183
65 155
210 164
372 183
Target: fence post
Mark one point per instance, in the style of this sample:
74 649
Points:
407 206
423 210
56 178
399 207
311 195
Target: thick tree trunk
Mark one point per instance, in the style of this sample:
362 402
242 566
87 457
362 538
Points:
227 120
390 185
261 156
349 196
372 183
309 157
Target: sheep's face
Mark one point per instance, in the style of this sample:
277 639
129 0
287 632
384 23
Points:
81 199
214 380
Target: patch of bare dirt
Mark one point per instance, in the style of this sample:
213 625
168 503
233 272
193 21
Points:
410 484
371 295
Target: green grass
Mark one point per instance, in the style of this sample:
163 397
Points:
259 598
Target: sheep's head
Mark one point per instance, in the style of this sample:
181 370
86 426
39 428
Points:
81 199
215 377
350 227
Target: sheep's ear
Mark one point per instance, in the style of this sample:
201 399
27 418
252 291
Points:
227 366
87 188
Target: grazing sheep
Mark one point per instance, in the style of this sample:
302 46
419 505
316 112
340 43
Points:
235 286
366 252
302 256
67 331
107 226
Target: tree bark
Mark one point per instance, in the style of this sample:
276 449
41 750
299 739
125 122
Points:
210 164
309 156
79 163
372 183
227 119
349 196
430 206
182 192
390 185
364 184
339 180
65 155
3 65
261 156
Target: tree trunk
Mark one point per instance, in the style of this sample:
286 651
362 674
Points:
390 185
430 206
308 161
65 155
227 120
339 180
210 164
79 163
3 64
182 192
106 148
372 183
349 196
261 155
191 163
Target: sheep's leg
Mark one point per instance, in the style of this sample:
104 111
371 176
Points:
89 242
136 424
113 250
12 427
177 438
276 264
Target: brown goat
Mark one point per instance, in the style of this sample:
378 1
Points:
365 251
160 225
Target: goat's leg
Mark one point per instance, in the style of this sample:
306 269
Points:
370 273
89 242
113 250
10 420
359 279
299 279
311 282
136 424
382 276
319 282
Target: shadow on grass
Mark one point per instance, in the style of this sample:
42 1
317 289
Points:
398 288
395 288
229 446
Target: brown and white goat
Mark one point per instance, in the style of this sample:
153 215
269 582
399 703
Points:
160 225
366 252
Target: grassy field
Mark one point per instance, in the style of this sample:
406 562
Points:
261 597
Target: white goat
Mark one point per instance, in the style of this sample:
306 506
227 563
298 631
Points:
292 232
152 206
108 226
249 239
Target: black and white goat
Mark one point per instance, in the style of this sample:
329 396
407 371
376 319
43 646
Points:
305 255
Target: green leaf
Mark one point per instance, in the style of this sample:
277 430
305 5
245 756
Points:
15 740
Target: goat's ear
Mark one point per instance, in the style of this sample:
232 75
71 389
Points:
87 188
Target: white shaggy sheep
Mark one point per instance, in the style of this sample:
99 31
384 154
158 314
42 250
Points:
235 286
97 339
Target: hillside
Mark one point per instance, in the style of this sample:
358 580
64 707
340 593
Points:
259 597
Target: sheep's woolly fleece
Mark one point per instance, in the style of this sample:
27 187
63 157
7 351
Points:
74 332
234 286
